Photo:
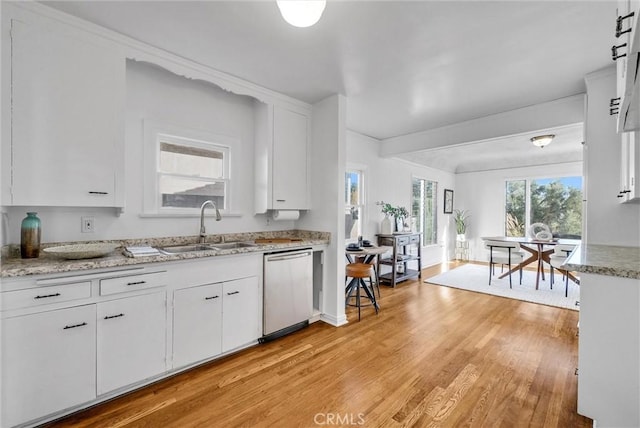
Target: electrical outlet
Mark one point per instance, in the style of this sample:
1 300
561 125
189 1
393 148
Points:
88 224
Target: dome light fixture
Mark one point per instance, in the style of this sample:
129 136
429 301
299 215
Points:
542 140
301 13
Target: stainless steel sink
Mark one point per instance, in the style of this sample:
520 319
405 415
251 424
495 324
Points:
180 249
233 245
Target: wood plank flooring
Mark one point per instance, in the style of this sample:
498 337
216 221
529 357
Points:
433 357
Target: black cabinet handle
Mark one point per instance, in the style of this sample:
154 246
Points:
108 317
281 200
613 111
626 191
93 192
614 102
619 31
47 295
232 293
620 196
614 51
212 297
136 283
67 327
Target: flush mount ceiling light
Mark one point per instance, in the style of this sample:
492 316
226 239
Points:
301 13
542 140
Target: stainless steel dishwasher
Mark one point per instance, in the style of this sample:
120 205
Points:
288 292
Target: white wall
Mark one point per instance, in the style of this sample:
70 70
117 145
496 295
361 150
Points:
327 210
608 221
389 180
154 93
483 195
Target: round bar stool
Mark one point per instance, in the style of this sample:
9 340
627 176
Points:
358 272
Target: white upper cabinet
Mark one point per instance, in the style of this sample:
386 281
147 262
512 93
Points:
626 53
67 120
282 164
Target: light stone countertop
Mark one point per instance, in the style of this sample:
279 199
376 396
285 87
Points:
623 262
14 266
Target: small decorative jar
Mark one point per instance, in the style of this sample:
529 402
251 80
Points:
30 236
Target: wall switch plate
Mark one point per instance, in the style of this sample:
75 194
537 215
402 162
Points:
88 224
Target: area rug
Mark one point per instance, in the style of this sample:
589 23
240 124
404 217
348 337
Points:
476 278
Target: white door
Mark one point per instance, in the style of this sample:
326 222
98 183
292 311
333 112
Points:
241 312
48 363
131 340
197 324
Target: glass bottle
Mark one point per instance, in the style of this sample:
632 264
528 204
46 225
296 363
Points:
30 236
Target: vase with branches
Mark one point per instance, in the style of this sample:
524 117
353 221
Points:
400 214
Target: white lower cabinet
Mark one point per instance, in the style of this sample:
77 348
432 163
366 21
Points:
241 312
48 363
131 340
197 324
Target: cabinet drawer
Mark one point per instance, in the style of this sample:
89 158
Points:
45 295
404 240
414 239
132 283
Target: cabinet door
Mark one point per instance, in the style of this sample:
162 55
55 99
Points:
289 159
131 340
241 312
67 119
197 324
48 363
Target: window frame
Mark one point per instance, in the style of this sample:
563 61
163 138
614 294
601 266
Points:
527 196
435 212
155 134
361 171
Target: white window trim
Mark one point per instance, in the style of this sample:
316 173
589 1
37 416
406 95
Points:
365 188
419 177
151 158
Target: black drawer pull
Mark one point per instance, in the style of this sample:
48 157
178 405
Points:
281 200
614 102
67 327
619 31
108 317
620 196
614 111
210 298
233 292
136 283
47 295
93 192
614 51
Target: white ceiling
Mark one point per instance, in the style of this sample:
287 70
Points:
404 66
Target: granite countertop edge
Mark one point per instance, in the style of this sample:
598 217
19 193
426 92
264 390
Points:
608 260
15 267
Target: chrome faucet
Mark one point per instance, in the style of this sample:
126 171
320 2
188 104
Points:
203 232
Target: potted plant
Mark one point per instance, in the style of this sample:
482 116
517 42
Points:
398 213
461 217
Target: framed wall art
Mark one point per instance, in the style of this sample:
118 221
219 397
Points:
448 201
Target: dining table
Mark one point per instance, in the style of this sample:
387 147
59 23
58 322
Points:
537 253
369 254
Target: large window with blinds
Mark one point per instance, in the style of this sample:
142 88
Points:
424 209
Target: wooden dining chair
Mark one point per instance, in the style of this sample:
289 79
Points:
504 253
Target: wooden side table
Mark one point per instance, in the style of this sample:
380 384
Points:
405 248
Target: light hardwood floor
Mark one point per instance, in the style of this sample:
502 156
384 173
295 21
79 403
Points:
434 356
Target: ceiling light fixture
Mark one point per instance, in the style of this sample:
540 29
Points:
301 13
542 140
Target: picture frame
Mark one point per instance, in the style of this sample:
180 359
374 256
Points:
448 201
